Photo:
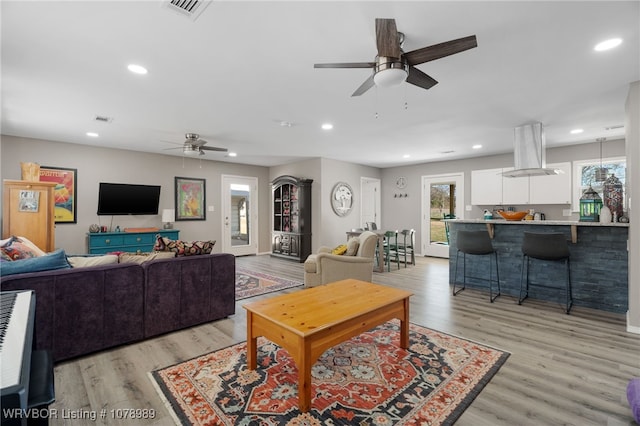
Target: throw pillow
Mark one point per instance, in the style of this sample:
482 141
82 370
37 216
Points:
341 249
91 260
18 248
183 248
51 261
4 257
140 258
352 247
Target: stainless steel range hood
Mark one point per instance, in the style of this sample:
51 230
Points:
529 152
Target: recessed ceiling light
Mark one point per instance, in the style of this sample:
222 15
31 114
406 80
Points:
406 156
92 134
327 126
607 44
477 146
137 69
232 154
576 131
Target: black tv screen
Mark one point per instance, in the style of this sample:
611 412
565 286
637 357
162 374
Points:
125 198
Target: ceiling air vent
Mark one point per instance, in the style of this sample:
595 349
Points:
103 119
189 8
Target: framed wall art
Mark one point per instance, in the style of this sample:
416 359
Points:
64 193
190 199
342 198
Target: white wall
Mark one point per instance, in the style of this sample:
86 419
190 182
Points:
96 165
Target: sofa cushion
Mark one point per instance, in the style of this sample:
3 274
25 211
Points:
17 248
54 260
341 249
352 246
140 258
85 261
183 248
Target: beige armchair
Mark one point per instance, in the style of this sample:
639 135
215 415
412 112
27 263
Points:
324 267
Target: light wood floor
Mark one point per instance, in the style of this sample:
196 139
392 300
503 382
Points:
563 369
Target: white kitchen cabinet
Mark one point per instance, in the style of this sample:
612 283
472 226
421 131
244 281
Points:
490 188
486 187
515 191
552 189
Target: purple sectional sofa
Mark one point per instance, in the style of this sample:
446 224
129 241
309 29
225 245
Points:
83 310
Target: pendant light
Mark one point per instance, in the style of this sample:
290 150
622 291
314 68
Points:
601 172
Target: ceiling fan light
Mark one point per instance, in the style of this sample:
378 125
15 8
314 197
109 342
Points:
390 77
191 151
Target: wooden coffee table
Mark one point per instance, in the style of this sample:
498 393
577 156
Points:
308 322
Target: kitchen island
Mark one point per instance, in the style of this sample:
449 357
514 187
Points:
599 261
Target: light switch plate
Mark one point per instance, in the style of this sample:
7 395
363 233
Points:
211 209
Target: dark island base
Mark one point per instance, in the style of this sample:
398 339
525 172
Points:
599 264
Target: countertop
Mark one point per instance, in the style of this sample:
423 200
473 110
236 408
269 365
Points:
537 222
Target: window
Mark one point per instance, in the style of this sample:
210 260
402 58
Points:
584 174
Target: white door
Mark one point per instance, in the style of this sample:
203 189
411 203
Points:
370 201
442 195
239 215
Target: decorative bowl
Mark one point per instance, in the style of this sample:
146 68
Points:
512 215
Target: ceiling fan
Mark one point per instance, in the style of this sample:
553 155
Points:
193 145
393 66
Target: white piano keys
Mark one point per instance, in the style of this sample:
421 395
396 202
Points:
13 345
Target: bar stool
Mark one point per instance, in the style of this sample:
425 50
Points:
545 247
475 243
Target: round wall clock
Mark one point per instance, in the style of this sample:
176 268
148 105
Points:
401 183
341 198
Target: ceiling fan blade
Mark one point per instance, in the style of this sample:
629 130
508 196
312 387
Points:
213 148
420 79
175 147
387 38
347 65
368 84
437 51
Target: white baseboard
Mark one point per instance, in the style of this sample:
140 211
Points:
632 328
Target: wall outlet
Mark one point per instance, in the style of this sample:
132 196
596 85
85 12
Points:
566 212
468 208
211 209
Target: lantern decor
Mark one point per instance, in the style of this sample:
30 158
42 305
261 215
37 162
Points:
590 205
612 194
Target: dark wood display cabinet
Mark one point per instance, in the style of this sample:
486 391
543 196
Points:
291 227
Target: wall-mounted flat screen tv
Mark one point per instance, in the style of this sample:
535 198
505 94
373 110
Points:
125 198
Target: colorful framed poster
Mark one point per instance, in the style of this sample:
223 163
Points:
64 193
190 199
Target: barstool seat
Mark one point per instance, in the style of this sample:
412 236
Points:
475 243
545 247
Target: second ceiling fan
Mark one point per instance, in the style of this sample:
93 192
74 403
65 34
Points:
193 145
393 66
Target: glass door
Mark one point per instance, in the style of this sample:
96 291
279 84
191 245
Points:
443 198
239 218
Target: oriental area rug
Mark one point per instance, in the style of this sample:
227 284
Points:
367 380
251 283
